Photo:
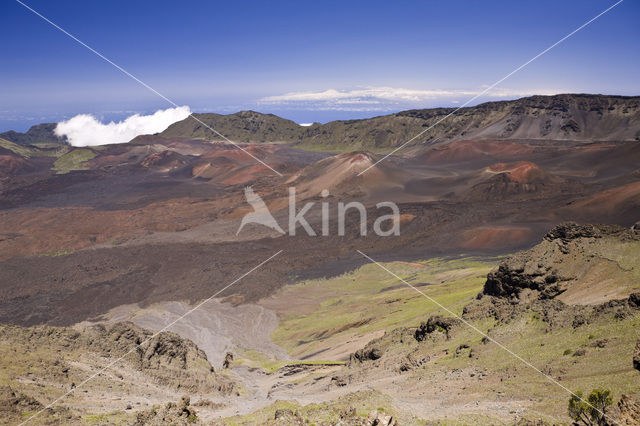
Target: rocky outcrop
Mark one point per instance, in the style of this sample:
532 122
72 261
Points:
378 418
378 348
13 400
170 359
165 357
228 359
563 259
371 352
16 407
511 277
553 312
571 231
626 412
287 416
436 327
181 413
435 323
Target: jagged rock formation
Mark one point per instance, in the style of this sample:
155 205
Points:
181 413
435 323
555 313
626 412
371 352
376 418
569 259
166 358
228 359
287 416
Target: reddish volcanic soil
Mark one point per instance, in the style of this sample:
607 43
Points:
622 202
156 219
521 171
11 165
45 230
340 175
466 150
505 237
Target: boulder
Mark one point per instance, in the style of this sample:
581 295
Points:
435 323
378 418
228 359
286 416
180 413
368 353
571 231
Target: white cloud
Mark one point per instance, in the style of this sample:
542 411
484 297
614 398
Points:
86 130
378 98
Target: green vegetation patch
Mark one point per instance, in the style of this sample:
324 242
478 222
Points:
112 418
269 364
73 160
15 148
369 300
597 354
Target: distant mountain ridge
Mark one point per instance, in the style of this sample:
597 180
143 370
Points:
243 126
559 117
575 117
40 133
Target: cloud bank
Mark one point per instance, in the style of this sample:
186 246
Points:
381 98
86 130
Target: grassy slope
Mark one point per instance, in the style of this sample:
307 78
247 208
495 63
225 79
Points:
46 372
39 149
365 294
18 149
371 295
73 160
530 338
35 363
269 364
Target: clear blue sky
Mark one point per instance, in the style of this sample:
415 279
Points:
227 56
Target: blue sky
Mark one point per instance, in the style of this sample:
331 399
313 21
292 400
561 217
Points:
308 61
